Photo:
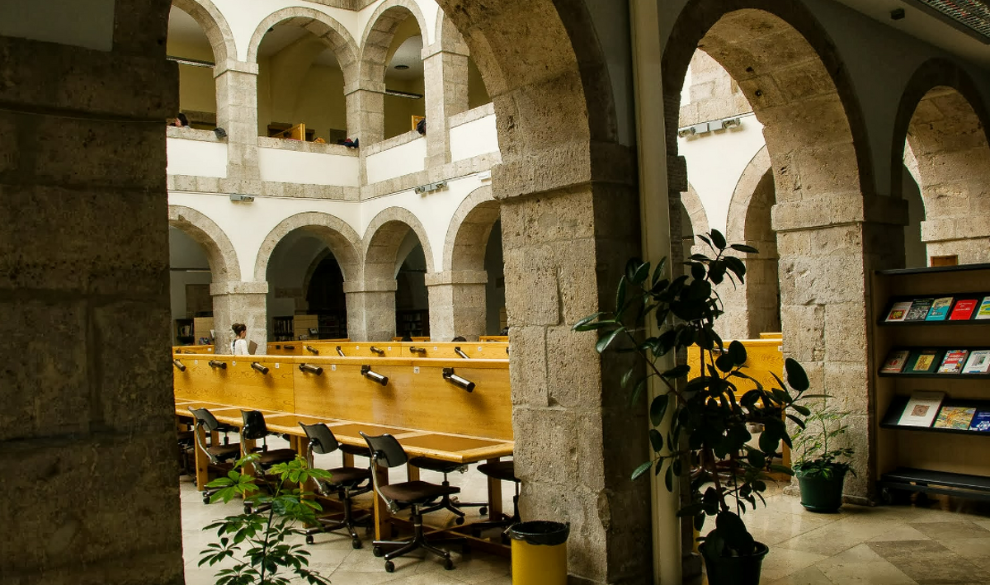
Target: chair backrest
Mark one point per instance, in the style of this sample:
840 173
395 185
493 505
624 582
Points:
254 425
205 418
321 439
386 449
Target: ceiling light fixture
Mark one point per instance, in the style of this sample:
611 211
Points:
401 67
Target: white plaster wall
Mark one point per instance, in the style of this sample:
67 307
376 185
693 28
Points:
715 162
401 160
309 168
474 138
195 157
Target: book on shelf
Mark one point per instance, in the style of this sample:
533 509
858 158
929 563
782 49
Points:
919 309
978 362
953 361
963 310
922 362
921 409
898 311
940 309
895 361
984 311
981 421
954 417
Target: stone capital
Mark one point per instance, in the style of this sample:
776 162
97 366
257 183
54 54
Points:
371 286
457 277
364 85
235 66
232 287
834 209
436 49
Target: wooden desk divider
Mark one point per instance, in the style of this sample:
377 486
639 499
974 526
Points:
193 349
401 349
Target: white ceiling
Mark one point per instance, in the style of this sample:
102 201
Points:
409 53
184 29
922 25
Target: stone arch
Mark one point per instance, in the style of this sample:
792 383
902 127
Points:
382 239
214 25
340 237
742 195
695 210
447 35
219 251
941 135
378 36
469 230
320 24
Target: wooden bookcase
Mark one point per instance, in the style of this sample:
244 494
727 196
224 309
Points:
184 333
920 459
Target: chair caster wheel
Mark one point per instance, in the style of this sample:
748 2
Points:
247 508
309 539
206 499
389 567
377 551
448 564
483 510
355 543
459 520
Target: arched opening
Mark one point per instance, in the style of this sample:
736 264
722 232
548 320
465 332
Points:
496 318
762 275
393 58
471 299
301 80
190 47
915 251
412 301
305 289
477 92
190 277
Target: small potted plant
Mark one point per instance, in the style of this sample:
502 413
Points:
819 464
702 426
278 513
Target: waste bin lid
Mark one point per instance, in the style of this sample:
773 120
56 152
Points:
540 532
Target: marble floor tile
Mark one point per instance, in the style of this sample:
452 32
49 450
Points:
808 576
952 530
929 562
900 532
783 562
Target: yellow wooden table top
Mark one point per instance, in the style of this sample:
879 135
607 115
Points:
417 443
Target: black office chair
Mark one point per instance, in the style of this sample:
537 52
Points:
502 471
345 481
386 451
446 503
221 456
254 429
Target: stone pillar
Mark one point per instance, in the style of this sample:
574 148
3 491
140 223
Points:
366 112
370 310
966 237
577 438
445 74
824 274
237 113
457 304
87 432
240 302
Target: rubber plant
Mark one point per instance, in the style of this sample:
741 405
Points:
707 434
256 541
815 445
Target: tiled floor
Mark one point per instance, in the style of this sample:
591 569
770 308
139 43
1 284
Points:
944 542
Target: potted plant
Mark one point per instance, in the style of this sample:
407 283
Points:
276 514
819 466
701 425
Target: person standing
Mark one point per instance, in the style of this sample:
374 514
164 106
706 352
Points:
239 345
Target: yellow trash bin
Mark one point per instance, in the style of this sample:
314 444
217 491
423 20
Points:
539 553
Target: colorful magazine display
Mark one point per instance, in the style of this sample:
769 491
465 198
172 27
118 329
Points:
984 311
981 421
895 361
978 362
922 362
963 310
921 409
940 309
919 309
899 311
953 361
954 417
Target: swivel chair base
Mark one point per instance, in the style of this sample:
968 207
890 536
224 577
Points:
418 541
347 523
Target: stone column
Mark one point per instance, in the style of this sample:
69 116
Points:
370 310
87 432
824 274
237 113
445 73
577 438
457 304
966 237
240 302
366 112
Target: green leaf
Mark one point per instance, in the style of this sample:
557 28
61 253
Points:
643 468
642 273
658 408
797 378
677 372
718 239
658 271
656 439
737 351
803 410
668 478
605 341
582 322
620 296
744 248
697 271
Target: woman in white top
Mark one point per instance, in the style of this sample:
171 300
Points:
239 346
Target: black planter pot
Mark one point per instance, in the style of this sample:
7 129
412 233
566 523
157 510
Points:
743 570
820 494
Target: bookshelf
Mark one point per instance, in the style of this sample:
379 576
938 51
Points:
333 325
928 459
282 328
414 323
184 334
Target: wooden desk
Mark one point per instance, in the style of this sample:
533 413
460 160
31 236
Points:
417 443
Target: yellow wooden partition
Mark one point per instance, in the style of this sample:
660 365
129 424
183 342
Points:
196 349
393 349
762 357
